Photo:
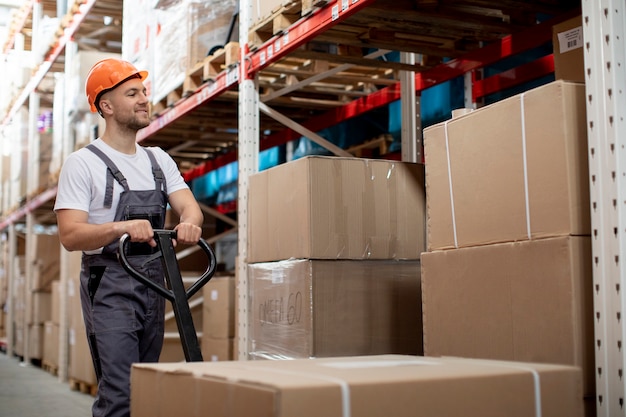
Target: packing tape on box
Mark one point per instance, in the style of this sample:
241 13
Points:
521 367
343 385
456 242
525 164
523 122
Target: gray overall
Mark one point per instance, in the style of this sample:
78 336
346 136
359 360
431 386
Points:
123 318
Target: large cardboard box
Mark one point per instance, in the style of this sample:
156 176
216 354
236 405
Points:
514 170
218 313
209 28
372 386
337 208
567 41
524 301
312 308
51 344
217 349
45 261
41 307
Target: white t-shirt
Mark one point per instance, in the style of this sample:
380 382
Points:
82 182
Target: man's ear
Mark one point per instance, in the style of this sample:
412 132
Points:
105 106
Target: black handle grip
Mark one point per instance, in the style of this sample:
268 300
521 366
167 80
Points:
164 237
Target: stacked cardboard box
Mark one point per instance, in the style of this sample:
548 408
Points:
218 321
80 367
330 242
50 356
172 346
508 272
381 385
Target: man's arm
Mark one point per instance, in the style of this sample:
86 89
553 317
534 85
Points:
189 230
76 234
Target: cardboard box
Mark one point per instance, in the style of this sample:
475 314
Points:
218 321
490 179
195 306
51 344
217 349
336 208
172 350
46 261
372 386
35 341
312 308
567 41
523 301
56 302
209 23
41 307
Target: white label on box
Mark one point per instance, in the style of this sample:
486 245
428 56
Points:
571 39
214 294
278 277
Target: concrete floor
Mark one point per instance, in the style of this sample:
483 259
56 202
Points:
29 391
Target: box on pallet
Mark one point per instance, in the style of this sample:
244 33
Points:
366 386
305 308
337 208
513 170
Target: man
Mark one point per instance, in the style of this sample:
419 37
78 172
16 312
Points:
110 188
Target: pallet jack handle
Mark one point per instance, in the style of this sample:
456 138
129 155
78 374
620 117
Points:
176 294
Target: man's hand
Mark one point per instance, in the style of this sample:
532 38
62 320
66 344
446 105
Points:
187 233
139 231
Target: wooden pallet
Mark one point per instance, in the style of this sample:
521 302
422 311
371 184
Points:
169 100
378 146
83 387
280 19
50 367
211 66
309 5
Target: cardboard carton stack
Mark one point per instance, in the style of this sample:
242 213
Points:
508 274
80 369
333 258
218 319
50 358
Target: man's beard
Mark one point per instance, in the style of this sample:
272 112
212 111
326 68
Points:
133 122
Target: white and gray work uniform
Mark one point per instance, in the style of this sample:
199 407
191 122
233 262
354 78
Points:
123 318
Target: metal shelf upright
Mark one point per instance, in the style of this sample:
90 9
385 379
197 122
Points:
604 28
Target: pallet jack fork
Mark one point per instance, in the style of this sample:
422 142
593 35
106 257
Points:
175 291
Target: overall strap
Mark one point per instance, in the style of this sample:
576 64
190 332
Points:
112 173
157 173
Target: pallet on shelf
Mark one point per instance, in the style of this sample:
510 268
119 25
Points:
280 19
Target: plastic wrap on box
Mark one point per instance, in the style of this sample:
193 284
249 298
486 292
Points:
139 29
303 308
211 25
170 54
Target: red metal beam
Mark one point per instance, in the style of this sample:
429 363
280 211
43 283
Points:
303 31
207 92
513 77
509 46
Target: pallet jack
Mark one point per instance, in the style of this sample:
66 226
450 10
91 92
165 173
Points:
175 291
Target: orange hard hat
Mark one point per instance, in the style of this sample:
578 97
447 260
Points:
107 74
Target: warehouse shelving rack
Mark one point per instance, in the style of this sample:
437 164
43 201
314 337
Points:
604 23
